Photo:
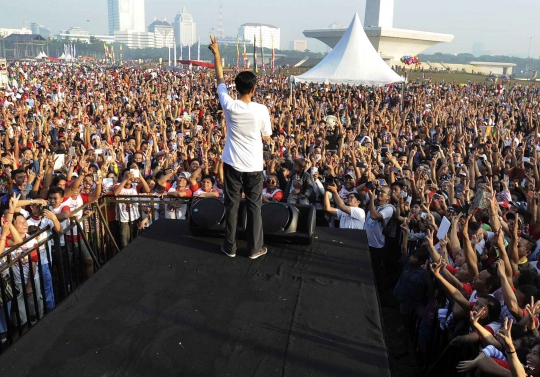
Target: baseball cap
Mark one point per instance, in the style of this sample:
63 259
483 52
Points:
504 204
351 174
522 205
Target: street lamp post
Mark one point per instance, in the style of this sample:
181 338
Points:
528 54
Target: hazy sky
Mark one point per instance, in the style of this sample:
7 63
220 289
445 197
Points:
503 27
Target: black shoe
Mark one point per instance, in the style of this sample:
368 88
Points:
232 254
261 252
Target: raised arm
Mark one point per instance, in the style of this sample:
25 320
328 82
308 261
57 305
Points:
213 46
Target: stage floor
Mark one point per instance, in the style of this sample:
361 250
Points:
172 304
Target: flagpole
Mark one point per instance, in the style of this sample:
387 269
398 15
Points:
169 46
273 67
189 53
255 53
181 46
263 66
237 54
245 55
174 41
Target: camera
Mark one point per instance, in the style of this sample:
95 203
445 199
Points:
328 181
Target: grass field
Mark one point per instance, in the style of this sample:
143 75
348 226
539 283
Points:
458 78
461 78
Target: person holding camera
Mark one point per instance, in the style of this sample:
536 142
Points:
350 215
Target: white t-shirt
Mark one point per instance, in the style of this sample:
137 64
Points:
246 124
42 224
126 212
355 220
26 270
343 193
374 228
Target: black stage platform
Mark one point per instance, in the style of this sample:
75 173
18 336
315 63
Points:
171 304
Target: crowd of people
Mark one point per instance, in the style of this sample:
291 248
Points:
443 177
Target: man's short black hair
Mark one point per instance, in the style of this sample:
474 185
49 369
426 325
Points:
245 82
56 190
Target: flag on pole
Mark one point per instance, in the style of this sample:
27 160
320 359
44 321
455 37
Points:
272 66
262 53
199 50
106 51
255 53
112 53
245 56
237 55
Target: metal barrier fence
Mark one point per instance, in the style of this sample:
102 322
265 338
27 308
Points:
96 233
42 271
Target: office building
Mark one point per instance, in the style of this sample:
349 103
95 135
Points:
126 15
135 39
40 29
267 32
75 33
4 32
163 33
185 29
298 45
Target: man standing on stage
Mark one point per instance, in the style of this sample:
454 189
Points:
248 124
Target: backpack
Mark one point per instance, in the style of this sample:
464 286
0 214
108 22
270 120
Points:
390 229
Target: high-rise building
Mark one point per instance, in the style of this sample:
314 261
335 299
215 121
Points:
267 32
126 15
185 29
163 33
40 29
298 45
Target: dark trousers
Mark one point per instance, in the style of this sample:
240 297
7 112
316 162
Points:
378 259
252 185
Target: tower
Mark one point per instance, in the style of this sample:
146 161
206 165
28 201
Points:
185 28
379 13
126 15
220 31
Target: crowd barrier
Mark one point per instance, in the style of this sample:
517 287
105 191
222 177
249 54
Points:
63 262
93 231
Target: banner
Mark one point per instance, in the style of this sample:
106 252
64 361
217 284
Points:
262 54
245 56
272 66
237 55
255 53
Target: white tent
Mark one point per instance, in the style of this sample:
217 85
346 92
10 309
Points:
41 55
353 61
